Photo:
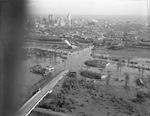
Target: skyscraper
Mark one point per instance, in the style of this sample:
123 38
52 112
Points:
148 12
50 18
148 18
69 19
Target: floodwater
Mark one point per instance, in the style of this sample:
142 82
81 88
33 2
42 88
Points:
71 61
74 61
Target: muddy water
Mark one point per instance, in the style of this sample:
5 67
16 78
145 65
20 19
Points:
75 61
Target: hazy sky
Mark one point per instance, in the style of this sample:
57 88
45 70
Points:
90 7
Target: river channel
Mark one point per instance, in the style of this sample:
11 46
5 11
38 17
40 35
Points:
73 61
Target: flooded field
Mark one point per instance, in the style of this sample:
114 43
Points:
60 61
120 64
74 61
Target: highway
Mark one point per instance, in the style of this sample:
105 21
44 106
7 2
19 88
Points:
26 109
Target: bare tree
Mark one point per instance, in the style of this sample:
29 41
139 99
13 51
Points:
108 77
119 68
127 78
139 81
128 60
139 69
142 71
147 81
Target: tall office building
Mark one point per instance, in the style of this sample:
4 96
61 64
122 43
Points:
50 18
148 18
148 12
69 19
61 22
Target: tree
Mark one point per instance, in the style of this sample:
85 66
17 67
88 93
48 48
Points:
142 72
119 67
108 77
139 69
128 60
147 81
127 78
139 81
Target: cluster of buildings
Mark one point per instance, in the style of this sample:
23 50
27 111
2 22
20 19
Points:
50 21
107 32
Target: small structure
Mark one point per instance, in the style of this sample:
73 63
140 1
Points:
72 74
88 80
103 77
49 68
38 69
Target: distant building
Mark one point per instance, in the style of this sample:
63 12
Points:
50 16
43 20
83 22
61 22
76 22
148 12
148 17
37 24
118 33
69 19
91 23
50 19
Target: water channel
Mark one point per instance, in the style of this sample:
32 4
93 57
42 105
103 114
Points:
74 61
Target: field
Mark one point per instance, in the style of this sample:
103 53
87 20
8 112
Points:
125 53
76 97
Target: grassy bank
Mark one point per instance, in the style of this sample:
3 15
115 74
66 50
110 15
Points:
78 98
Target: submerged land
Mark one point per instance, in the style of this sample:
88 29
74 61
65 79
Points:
108 63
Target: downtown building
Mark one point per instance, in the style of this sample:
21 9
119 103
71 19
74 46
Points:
69 19
148 17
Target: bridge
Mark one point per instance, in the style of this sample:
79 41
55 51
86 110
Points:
26 109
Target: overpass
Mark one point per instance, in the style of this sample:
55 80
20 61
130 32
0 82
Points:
26 109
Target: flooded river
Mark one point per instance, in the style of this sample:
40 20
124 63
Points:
70 61
74 61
